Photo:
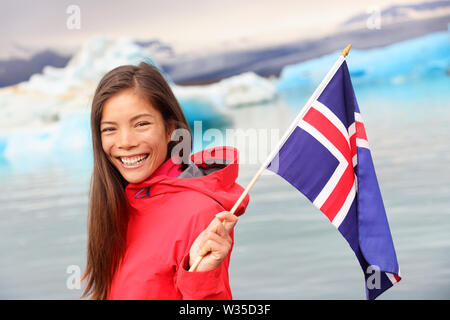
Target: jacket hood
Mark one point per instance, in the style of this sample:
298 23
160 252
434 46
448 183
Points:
212 172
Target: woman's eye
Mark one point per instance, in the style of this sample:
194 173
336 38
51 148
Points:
107 129
141 124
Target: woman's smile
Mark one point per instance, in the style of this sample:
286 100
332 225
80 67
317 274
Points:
134 161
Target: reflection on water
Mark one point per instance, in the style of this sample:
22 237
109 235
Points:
284 247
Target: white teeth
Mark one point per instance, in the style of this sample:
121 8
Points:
133 160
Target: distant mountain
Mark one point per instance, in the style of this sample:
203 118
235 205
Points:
16 70
157 48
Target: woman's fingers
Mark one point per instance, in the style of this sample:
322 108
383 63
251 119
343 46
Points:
223 223
218 231
228 220
216 244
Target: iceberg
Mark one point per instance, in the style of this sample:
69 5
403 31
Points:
412 60
237 91
246 89
96 57
66 143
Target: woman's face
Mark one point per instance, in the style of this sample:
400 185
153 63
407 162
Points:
133 135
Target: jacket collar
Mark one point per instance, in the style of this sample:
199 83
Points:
224 158
168 169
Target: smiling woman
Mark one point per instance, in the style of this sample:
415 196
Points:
134 135
152 215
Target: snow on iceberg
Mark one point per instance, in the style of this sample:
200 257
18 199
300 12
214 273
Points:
246 89
241 90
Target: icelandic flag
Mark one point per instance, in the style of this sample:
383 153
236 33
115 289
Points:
327 158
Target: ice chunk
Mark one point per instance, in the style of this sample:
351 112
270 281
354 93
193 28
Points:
247 89
244 89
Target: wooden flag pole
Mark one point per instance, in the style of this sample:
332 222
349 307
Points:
269 159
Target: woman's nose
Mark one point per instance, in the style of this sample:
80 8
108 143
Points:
125 140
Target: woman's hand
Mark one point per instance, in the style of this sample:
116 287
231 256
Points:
214 242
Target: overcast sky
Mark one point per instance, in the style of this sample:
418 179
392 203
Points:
182 23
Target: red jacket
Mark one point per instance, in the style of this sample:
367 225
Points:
167 213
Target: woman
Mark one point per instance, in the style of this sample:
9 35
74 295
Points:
150 216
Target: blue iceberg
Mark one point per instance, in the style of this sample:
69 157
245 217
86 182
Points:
412 60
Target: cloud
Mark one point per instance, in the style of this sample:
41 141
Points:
40 24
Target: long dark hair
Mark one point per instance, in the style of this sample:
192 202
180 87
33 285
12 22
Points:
108 205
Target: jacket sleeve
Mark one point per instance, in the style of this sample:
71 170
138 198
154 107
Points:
203 285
